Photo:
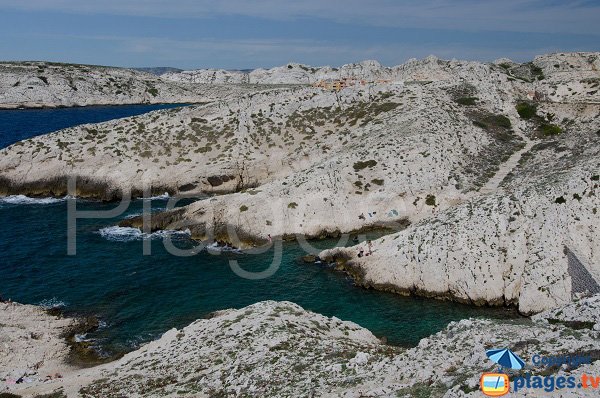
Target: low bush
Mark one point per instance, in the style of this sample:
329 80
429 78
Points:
466 100
526 110
548 129
363 165
430 200
500 120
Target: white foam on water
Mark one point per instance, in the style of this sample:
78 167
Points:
52 303
26 200
139 213
80 338
128 234
164 196
121 234
165 233
215 248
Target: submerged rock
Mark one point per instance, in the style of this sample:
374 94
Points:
309 258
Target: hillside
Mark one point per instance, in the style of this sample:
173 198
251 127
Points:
49 85
275 349
487 174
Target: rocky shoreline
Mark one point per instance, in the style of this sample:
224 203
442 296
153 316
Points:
279 349
25 106
487 171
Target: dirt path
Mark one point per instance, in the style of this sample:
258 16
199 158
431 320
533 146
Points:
493 183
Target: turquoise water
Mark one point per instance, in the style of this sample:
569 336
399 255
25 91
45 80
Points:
138 297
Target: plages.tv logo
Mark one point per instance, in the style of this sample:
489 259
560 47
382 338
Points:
498 384
494 384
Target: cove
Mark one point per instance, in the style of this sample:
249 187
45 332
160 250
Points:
137 298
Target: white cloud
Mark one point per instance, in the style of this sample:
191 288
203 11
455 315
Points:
546 16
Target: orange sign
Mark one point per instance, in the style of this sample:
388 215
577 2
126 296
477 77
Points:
494 384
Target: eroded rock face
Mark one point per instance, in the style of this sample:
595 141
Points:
494 200
533 243
31 342
275 349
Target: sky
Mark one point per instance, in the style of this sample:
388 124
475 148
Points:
247 34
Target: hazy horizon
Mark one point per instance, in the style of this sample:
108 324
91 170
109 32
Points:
235 34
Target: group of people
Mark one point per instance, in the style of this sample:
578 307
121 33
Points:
361 251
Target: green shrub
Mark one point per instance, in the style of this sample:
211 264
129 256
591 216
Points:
363 165
467 100
153 91
548 129
560 200
536 71
480 124
243 208
377 181
385 107
292 205
526 110
430 200
501 121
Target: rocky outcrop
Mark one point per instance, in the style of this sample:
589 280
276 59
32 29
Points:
497 187
32 344
532 243
49 85
291 73
274 349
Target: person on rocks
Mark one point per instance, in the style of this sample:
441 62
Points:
361 252
370 245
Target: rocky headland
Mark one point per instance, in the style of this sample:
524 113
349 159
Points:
277 349
486 174
52 85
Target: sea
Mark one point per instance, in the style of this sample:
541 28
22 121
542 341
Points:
138 297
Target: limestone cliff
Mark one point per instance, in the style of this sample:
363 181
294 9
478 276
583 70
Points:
275 349
489 177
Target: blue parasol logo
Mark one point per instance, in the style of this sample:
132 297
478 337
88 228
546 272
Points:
505 358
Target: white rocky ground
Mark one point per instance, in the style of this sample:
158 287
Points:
291 73
31 343
277 349
49 85
501 209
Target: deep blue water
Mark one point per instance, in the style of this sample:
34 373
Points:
140 297
16 125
